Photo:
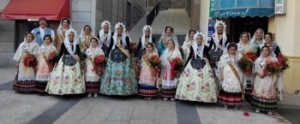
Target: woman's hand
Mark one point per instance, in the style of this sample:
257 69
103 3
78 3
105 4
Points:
206 60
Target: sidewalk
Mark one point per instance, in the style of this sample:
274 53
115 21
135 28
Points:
7 74
290 100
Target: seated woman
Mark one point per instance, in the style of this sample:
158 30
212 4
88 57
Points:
119 78
197 82
66 77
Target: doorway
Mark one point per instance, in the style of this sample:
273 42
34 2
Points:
249 24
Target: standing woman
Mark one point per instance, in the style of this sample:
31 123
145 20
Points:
164 39
258 39
147 79
119 78
264 95
92 78
275 49
65 24
144 40
26 74
66 77
45 65
169 78
219 41
244 46
187 44
85 38
105 35
231 78
197 82
141 48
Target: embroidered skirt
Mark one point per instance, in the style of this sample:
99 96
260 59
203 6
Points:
231 99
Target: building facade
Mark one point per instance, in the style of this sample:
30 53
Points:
283 25
81 12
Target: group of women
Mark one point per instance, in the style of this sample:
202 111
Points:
127 71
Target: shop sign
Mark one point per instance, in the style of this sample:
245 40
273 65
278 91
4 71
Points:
280 6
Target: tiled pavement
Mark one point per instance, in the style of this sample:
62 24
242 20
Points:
16 108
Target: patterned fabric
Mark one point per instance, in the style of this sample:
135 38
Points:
92 87
197 85
24 86
148 90
41 86
248 84
168 92
215 55
66 79
228 98
119 79
263 104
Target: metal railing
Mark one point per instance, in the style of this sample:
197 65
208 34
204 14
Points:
151 16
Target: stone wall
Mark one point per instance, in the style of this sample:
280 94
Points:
7 38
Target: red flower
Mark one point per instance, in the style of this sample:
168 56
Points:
99 59
246 114
29 60
132 45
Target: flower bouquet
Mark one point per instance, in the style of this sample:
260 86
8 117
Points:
176 64
97 61
272 67
246 62
155 64
29 60
51 57
283 61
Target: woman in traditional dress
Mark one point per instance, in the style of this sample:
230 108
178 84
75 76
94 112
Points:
105 35
25 79
219 40
264 95
148 79
187 44
196 82
141 48
244 46
168 74
258 39
92 78
231 78
275 49
119 78
85 38
165 37
45 65
66 77
65 24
